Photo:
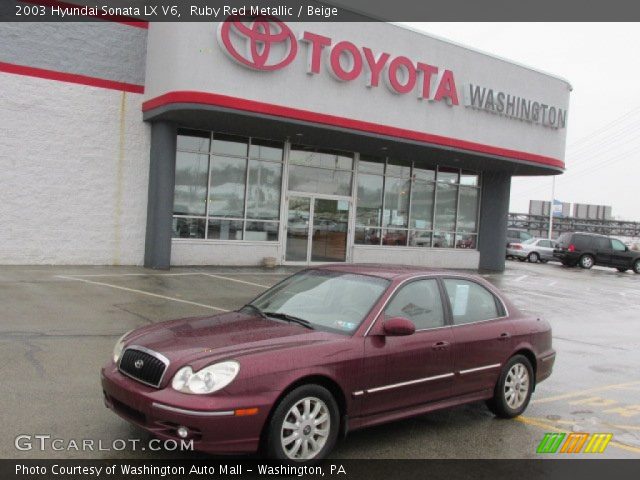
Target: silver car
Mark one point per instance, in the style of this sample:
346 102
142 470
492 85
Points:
535 250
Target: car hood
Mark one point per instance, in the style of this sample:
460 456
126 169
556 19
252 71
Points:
225 336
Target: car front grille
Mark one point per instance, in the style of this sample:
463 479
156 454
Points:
143 365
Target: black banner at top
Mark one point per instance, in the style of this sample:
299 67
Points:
327 10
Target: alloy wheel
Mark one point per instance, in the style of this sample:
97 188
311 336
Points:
516 386
305 429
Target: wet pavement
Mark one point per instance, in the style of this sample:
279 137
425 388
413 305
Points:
59 325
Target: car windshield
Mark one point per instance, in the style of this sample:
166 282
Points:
322 299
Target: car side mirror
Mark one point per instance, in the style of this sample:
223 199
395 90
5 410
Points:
398 326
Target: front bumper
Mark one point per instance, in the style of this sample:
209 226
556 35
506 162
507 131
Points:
210 419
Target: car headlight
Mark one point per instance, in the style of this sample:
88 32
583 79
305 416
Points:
119 346
208 380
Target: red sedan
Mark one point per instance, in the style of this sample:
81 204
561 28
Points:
329 349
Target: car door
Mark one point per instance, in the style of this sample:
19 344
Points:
620 256
603 251
482 335
404 371
545 248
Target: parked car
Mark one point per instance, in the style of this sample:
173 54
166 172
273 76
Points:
309 360
535 250
589 249
517 236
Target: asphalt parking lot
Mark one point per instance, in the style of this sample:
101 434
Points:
59 325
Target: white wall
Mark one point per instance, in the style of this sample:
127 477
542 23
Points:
424 257
199 252
73 190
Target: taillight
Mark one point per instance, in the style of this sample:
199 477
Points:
515 246
572 248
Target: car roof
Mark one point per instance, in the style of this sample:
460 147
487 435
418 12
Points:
388 271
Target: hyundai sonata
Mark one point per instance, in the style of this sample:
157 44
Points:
328 350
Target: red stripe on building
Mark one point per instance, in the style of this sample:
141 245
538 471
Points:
130 21
70 78
351 124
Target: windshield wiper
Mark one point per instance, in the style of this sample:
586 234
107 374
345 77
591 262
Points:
291 318
256 309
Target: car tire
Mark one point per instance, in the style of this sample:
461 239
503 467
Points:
514 387
534 257
622 269
636 266
586 261
305 400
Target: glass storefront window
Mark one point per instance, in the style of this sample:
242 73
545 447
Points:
448 175
188 227
394 237
226 193
443 240
329 159
369 200
223 229
419 238
193 140
469 178
467 209
465 240
241 180
261 231
422 205
263 190
190 195
367 236
396 202
366 166
319 180
424 174
230 145
266 150
399 168
446 199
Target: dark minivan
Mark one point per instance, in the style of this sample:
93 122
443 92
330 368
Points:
589 249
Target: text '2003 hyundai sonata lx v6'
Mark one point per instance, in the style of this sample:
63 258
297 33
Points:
327 350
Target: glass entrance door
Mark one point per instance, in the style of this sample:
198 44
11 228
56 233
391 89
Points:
316 229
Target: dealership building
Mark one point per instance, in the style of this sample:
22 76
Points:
128 143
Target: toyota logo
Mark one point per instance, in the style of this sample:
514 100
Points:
265 43
138 364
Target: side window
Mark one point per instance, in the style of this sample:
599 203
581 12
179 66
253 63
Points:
617 245
582 242
544 243
470 302
602 244
418 301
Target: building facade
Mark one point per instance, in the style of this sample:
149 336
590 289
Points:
226 143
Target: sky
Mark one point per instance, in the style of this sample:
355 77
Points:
602 63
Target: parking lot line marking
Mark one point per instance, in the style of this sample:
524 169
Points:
235 280
536 422
83 275
587 391
142 292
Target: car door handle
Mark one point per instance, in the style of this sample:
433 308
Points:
504 336
440 345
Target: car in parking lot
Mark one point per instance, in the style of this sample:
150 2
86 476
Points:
589 249
517 236
328 350
535 250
